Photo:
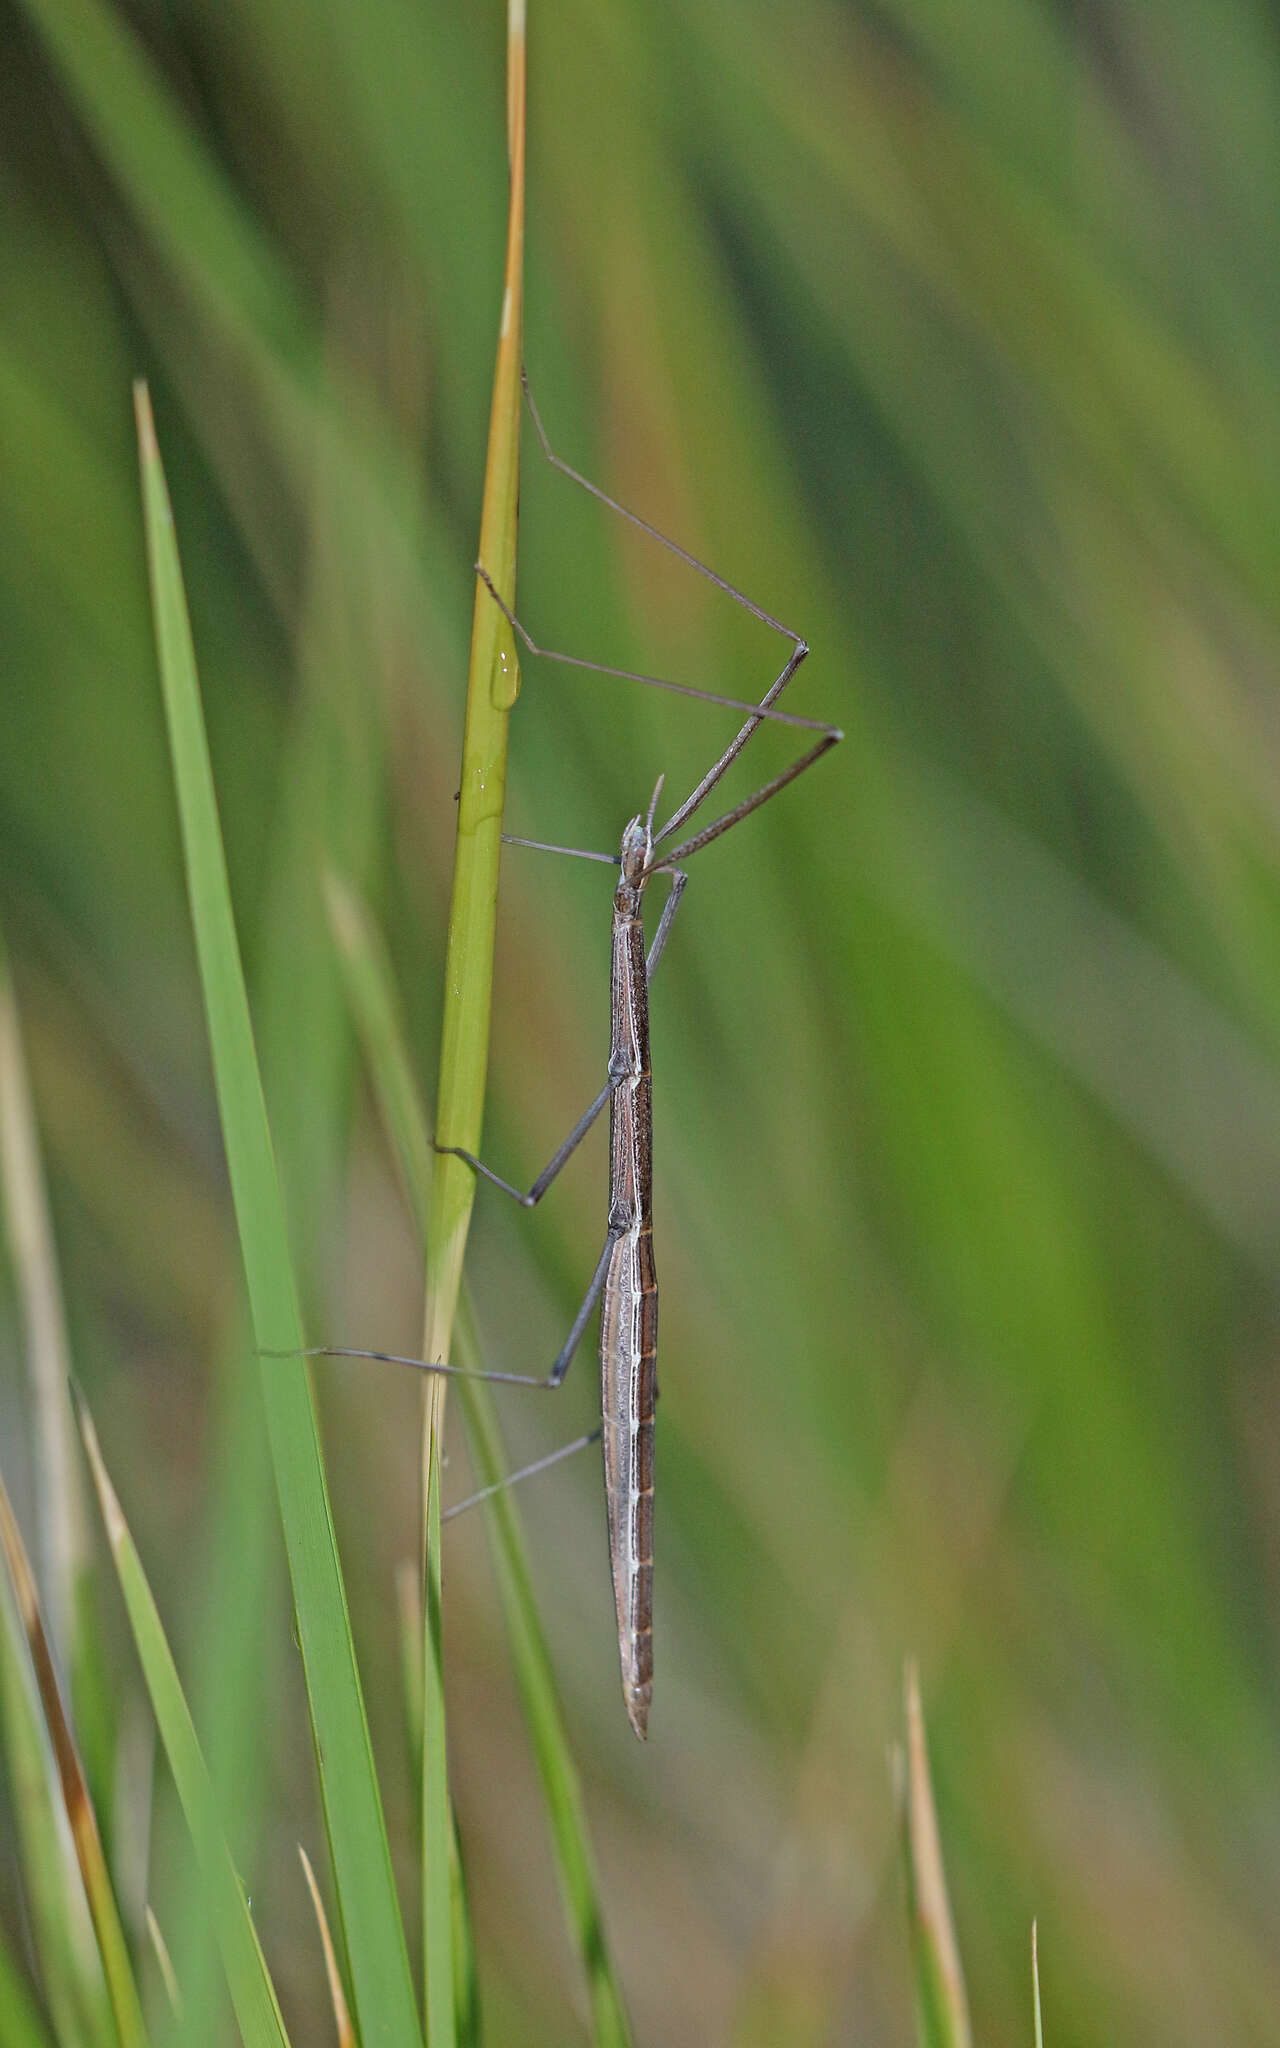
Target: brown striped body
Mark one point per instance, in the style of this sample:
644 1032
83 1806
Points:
629 1315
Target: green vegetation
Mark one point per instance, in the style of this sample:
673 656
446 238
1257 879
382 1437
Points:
948 334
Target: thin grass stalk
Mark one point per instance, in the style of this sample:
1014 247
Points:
63 1549
333 1975
164 1965
492 685
1035 1985
942 2008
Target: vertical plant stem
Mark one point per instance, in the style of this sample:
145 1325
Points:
492 685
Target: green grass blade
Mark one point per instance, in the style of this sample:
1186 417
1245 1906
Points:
249 1982
942 2011
304 1050
381 1984
20 2023
466 1984
303 1035
112 1947
376 1010
438 1957
492 682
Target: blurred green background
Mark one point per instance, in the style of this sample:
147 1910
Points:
951 334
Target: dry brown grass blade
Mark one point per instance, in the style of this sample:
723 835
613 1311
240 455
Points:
75 1792
63 1545
164 1963
941 2005
1035 1983
337 1996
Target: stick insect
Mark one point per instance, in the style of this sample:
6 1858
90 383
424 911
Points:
625 1278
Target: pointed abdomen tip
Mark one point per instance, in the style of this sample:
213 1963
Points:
637 1698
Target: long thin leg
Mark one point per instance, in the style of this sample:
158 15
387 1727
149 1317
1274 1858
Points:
569 1450
580 1443
831 736
766 708
679 882
609 860
625 512
748 804
552 1380
633 675
529 1198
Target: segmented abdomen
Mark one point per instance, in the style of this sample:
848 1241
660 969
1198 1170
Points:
628 1361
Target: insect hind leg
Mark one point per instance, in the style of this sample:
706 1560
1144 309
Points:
548 1382
634 519
543 1464
756 712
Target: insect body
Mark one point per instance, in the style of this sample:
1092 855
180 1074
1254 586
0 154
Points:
629 1317
625 1277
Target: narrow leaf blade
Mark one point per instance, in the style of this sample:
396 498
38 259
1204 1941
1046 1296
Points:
381 1983
248 1979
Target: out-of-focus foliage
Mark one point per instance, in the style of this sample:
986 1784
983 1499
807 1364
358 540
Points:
951 335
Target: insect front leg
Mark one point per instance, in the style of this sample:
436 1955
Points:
529 1198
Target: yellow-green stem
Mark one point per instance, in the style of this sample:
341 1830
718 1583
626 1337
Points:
492 686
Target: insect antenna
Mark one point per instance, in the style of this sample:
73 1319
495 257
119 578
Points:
653 805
